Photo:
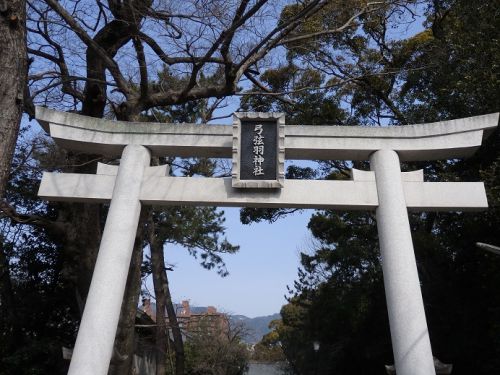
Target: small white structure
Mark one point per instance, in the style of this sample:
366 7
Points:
384 189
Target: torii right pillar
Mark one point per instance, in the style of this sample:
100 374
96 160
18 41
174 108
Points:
409 334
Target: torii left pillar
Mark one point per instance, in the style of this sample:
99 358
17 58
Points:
96 335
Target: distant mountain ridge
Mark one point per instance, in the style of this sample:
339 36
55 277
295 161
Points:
257 327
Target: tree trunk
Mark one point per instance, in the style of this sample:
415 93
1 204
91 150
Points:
158 267
13 76
81 245
176 329
164 302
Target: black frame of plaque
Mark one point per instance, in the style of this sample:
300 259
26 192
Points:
273 125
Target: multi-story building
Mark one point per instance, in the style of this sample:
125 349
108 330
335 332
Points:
193 321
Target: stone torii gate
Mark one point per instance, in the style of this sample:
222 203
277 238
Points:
385 189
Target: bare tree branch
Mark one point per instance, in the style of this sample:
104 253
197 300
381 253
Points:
7 210
265 90
143 69
111 65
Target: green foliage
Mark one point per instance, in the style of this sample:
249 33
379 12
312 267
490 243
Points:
462 78
41 318
249 215
269 349
198 229
339 300
333 16
306 104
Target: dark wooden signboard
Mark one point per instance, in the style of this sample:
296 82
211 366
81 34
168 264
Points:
258 150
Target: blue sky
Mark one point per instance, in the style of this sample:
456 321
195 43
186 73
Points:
259 273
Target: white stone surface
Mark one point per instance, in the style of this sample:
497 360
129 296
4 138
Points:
112 170
447 139
413 176
340 195
96 335
409 335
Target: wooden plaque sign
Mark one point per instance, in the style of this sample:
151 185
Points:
258 150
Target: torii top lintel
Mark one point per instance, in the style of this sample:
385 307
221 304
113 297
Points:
440 140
